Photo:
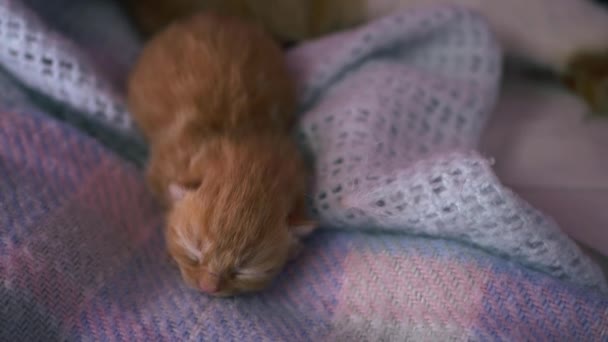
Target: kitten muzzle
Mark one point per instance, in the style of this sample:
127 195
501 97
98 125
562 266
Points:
209 284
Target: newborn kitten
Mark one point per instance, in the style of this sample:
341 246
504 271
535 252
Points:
213 97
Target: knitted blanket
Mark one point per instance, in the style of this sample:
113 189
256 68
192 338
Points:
421 241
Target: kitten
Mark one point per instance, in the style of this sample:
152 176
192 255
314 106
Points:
552 34
212 95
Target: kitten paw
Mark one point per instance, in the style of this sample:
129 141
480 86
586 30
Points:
587 76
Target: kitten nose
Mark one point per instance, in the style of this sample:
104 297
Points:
210 286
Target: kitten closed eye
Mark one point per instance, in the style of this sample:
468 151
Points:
192 261
252 273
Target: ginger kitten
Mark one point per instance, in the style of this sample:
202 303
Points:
212 96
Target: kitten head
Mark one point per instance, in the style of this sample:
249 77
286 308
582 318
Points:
221 251
235 230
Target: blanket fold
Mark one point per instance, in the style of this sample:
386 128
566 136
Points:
393 114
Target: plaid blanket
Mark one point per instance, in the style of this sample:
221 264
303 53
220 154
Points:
81 249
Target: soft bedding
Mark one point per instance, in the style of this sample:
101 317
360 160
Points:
420 242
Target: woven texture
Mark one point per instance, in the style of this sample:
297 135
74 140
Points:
82 258
391 112
65 51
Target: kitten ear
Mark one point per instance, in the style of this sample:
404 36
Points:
298 222
177 191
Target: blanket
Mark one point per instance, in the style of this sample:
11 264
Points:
421 241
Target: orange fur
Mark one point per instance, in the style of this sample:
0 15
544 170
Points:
213 97
238 216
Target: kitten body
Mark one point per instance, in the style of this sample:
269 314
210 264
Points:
212 96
